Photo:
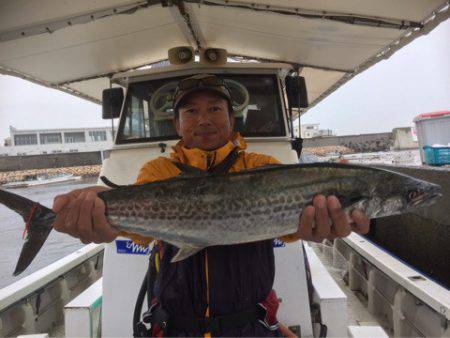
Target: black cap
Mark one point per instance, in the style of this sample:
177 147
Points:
198 83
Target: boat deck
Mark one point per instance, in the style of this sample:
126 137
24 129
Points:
58 331
357 312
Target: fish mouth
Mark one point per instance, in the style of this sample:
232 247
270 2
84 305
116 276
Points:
427 198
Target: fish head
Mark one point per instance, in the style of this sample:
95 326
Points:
421 194
396 193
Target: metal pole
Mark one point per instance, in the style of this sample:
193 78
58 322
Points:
112 119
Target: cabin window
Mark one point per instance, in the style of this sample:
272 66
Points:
74 137
97 135
148 110
49 138
25 139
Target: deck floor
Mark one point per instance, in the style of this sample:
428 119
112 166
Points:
356 303
58 331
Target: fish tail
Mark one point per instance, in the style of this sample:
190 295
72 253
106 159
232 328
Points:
38 224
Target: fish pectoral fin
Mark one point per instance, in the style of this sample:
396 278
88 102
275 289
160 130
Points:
184 252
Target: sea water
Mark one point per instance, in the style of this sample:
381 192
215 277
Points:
12 225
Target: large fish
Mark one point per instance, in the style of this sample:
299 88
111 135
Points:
193 212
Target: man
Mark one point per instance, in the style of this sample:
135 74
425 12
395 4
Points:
225 282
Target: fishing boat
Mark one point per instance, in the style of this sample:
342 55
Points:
279 58
41 179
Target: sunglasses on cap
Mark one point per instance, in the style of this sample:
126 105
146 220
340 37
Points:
212 81
203 81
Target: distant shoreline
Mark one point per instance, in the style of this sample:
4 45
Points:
19 175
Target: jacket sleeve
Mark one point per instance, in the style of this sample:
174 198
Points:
155 170
259 160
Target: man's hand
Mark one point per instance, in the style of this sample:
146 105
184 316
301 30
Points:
81 214
325 219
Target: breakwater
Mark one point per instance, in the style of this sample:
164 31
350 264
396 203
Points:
59 160
398 139
19 175
357 143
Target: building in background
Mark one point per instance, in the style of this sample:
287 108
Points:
404 138
312 130
7 142
53 141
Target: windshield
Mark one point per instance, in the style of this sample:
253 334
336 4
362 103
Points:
148 109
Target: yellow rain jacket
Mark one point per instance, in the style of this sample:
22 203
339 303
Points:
162 168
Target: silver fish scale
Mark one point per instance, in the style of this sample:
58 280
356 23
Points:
193 213
223 209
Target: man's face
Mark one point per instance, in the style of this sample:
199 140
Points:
204 121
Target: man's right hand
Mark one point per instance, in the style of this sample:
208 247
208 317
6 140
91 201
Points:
81 214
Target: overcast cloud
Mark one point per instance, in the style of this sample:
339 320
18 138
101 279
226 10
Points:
415 80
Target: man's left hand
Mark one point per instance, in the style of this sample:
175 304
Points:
325 219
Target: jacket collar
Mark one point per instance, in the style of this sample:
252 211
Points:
204 159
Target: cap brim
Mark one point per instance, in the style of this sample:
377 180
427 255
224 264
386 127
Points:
188 92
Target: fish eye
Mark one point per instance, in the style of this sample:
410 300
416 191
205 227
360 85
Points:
412 194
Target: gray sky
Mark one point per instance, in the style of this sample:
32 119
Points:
414 80
26 105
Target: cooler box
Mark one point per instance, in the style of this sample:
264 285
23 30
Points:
437 155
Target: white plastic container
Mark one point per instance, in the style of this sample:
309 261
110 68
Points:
432 129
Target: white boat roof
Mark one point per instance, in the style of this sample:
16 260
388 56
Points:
76 46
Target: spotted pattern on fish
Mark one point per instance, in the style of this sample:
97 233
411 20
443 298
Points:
250 206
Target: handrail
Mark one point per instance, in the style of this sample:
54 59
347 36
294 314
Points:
428 291
29 284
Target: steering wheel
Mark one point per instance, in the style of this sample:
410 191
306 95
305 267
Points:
239 95
161 101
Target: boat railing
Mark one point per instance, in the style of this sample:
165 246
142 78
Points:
35 303
331 300
403 299
82 314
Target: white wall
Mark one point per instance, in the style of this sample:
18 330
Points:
37 149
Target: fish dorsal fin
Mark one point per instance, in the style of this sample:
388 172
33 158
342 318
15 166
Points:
108 183
222 168
225 166
188 170
273 165
265 167
185 251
